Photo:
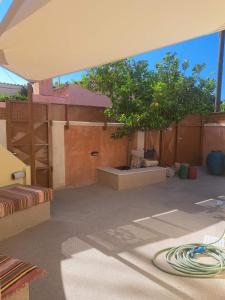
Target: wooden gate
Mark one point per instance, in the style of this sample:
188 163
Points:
189 140
178 143
28 127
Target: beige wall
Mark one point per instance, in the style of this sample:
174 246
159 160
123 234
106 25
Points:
9 164
22 220
121 180
58 154
3 140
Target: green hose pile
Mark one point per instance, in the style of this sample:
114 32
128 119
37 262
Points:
185 260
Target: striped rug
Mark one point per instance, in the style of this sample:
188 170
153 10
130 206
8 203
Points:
15 273
18 197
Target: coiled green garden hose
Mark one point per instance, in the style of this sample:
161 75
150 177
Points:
184 262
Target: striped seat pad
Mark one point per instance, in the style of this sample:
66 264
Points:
18 197
15 273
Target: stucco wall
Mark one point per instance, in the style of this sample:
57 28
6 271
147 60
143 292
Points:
84 138
3 140
9 164
58 154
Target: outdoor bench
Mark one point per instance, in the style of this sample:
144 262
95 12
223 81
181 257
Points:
15 277
22 207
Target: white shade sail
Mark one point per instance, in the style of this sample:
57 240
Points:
41 39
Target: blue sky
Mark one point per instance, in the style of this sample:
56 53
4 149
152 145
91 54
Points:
199 50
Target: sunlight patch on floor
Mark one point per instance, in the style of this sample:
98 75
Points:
93 275
141 258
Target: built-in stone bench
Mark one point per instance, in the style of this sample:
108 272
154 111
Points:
127 179
22 207
15 277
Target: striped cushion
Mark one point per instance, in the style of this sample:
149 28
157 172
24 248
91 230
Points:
14 274
18 197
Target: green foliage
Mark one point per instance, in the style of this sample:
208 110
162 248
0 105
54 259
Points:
144 99
3 98
222 106
23 92
20 95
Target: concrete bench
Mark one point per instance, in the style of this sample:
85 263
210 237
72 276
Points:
15 277
127 179
22 207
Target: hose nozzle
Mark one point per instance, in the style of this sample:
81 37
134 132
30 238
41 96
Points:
197 250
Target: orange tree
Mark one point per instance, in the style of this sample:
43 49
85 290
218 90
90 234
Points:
151 99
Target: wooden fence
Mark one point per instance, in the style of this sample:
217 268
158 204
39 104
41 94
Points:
62 112
29 135
188 141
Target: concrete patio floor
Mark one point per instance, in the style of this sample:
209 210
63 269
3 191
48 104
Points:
99 243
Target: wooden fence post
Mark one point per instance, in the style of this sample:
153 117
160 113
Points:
9 125
160 147
67 126
202 132
176 143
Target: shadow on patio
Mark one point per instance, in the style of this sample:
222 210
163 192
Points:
100 242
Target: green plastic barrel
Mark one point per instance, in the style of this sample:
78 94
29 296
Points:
183 172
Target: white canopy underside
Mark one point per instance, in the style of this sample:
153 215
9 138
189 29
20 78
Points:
41 39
